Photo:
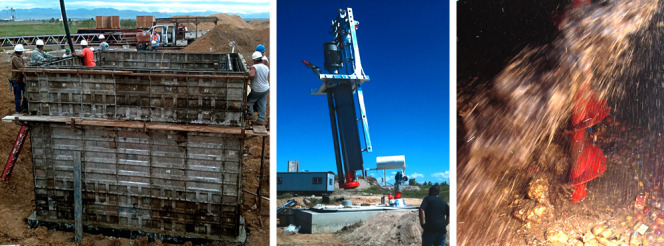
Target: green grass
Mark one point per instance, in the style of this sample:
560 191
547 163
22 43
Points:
30 28
285 196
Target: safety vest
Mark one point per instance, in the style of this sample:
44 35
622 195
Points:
155 37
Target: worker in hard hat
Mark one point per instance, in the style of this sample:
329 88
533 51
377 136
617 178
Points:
39 56
260 87
67 53
261 48
103 46
434 217
156 39
87 54
16 79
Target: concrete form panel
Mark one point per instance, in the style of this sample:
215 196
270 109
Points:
179 183
145 86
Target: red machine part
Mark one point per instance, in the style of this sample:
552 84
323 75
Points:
16 150
350 182
589 109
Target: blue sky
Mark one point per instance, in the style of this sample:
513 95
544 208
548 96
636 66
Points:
404 47
222 6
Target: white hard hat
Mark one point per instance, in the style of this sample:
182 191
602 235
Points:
153 42
102 36
18 48
84 42
40 42
256 55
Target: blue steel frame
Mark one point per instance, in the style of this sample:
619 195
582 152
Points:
340 89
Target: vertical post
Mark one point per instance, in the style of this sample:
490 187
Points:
384 181
335 138
64 20
260 178
78 202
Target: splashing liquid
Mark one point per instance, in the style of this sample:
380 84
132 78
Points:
531 101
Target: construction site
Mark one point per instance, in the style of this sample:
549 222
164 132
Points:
344 206
559 123
146 148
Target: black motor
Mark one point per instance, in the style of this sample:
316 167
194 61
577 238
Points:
332 57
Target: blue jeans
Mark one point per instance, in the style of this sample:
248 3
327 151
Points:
19 92
433 238
257 100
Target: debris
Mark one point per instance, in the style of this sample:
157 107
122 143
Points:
292 228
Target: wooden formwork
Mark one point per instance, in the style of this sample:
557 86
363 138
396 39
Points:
173 182
157 87
177 175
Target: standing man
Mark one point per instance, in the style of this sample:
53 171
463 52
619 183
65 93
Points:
16 79
156 39
261 48
103 46
434 217
87 54
260 88
39 56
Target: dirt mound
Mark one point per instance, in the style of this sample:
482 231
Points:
393 228
260 24
234 21
218 39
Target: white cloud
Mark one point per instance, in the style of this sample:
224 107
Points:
415 175
443 176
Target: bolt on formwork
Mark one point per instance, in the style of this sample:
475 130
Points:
156 138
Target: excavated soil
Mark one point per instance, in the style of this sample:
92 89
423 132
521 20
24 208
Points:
233 20
218 39
394 228
17 201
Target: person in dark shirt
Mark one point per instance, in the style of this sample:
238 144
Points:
434 217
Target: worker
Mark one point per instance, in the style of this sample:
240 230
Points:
261 48
156 39
39 56
87 54
434 217
16 79
67 53
103 46
260 87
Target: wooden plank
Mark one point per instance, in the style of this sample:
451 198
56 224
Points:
260 130
194 128
136 124
111 123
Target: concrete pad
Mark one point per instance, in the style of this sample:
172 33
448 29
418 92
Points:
311 221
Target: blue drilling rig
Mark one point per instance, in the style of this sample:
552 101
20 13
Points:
342 84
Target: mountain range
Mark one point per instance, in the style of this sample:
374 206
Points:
76 14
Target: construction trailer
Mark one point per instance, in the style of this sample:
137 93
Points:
147 144
305 183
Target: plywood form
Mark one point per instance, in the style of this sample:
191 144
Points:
154 180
